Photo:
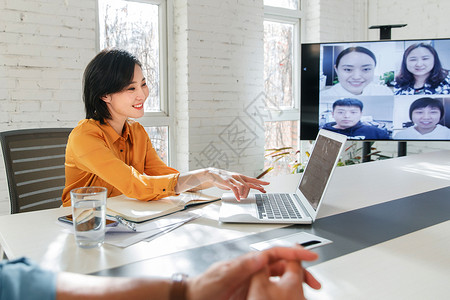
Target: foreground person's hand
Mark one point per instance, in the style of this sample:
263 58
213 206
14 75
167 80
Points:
238 278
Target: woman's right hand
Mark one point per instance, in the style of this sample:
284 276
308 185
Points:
239 184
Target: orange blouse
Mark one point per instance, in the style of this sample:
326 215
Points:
97 156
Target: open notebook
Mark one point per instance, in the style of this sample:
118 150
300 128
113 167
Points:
140 211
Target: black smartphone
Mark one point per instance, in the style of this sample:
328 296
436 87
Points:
68 219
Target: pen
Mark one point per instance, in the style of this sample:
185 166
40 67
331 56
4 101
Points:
310 243
128 224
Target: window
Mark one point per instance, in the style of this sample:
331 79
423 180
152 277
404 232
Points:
281 80
280 134
278 65
140 28
289 4
160 137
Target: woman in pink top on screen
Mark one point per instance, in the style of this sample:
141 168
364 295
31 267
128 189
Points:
421 72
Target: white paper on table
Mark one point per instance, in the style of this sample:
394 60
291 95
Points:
122 236
148 230
166 230
153 224
123 240
301 238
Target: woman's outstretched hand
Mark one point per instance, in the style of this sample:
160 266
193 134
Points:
239 184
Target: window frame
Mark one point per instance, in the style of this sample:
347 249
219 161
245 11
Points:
165 117
293 17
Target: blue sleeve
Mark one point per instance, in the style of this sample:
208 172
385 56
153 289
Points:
22 279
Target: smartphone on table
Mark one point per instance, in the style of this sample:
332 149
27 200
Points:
69 219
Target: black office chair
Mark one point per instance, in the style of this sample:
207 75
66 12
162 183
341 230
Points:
34 161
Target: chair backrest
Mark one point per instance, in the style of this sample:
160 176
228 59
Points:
34 162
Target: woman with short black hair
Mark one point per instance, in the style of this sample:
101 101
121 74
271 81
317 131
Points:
109 149
425 113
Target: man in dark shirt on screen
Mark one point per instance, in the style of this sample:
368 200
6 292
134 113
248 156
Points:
347 115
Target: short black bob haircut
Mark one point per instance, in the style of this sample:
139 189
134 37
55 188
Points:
110 71
348 102
424 102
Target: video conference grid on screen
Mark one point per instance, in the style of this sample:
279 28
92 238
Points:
379 90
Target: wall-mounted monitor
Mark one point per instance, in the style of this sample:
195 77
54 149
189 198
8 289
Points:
378 90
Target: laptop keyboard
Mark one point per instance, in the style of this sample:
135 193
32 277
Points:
276 206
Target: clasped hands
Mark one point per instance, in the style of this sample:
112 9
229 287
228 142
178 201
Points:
250 276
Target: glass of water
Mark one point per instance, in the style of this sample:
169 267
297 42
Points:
89 214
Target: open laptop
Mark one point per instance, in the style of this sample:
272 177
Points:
299 208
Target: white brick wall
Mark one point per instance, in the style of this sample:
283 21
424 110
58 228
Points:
44 47
222 74
180 64
330 20
425 19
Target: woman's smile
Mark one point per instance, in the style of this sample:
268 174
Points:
139 106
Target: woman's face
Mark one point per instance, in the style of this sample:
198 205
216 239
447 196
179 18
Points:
420 62
355 71
129 103
426 118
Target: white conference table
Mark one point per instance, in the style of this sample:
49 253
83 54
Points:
416 262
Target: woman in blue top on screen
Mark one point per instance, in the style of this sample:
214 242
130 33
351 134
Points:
421 72
425 113
355 68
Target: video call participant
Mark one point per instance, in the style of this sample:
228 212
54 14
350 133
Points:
355 67
244 277
425 113
347 115
421 72
109 149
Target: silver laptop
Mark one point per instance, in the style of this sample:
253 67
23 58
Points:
299 208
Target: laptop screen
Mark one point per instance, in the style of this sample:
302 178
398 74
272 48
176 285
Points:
319 169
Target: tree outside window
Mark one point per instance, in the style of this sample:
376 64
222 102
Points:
281 35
